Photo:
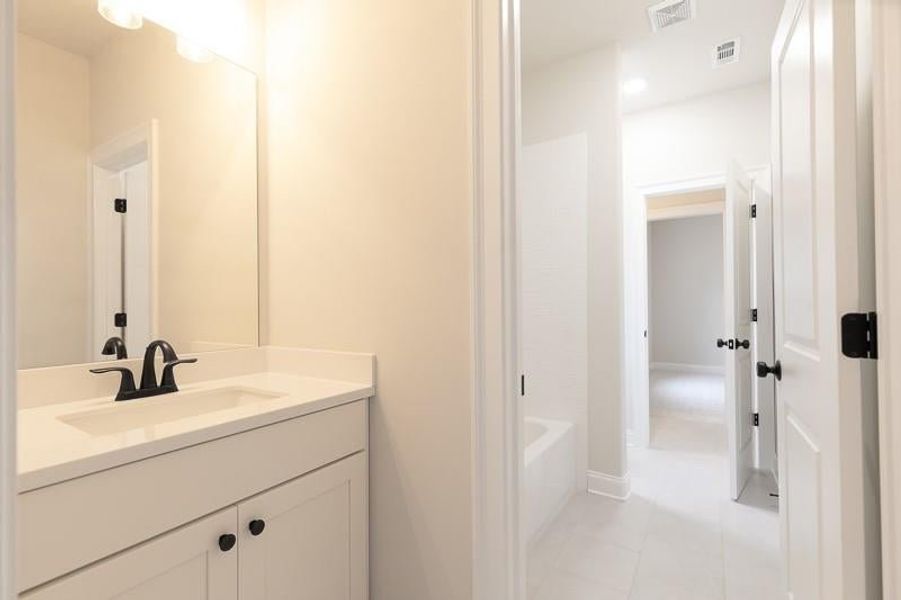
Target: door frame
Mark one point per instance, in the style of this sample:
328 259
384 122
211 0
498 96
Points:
8 409
498 557
886 23
764 329
637 368
637 292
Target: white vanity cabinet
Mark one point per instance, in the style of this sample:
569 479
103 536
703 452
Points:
276 512
186 564
314 542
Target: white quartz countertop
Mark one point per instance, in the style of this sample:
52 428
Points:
52 449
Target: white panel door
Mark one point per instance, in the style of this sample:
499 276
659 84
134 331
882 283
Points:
187 564
137 273
763 343
108 253
817 279
310 539
737 302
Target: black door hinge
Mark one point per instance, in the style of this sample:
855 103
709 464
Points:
753 211
754 315
121 205
756 419
120 320
860 337
522 385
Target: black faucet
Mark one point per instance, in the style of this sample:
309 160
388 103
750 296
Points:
115 345
149 386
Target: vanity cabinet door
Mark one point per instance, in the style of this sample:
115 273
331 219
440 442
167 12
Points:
195 562
308 539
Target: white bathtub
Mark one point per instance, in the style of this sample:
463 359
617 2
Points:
550 473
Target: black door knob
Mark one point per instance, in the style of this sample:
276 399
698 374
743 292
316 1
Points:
256 526
742 343
227 541
764 370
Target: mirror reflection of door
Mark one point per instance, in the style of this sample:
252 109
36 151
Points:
106 113
123 304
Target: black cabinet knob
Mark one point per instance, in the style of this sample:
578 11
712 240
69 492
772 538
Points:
742 343
721 343
764 370
256 526
227 541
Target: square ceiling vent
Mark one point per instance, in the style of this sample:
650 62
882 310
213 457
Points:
670 12
726 53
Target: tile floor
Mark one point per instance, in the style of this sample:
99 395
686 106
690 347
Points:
696 395
679 536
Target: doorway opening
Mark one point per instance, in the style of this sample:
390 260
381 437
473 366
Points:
808 116
685 301
648 468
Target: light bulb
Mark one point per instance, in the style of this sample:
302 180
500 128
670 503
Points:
123 13
192 50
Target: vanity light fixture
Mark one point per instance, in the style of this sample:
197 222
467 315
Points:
192 50
123 13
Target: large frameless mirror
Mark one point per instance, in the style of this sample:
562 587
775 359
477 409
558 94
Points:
136 188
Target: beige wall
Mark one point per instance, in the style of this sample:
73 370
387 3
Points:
53 137
581 95
369 244
207 259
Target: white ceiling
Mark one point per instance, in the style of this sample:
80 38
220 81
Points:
676 62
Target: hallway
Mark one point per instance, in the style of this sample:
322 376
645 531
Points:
679 536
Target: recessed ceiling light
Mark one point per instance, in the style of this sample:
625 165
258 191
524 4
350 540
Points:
635 86
123 13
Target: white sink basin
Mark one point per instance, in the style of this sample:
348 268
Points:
147 412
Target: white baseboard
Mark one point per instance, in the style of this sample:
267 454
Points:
601 484
684 368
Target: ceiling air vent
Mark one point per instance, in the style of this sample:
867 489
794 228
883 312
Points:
670 12
727 52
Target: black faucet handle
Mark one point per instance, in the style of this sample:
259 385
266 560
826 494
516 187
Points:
168 379
148 372
126 385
